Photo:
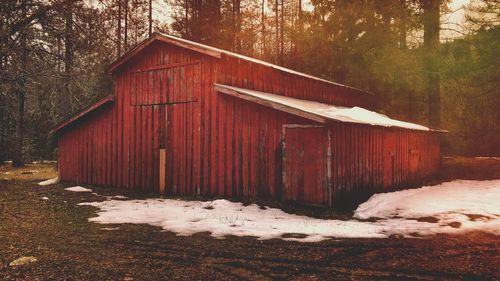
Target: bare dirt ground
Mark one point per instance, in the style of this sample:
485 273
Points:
68 247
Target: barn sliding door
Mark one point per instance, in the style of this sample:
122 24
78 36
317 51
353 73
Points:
306 164
165 125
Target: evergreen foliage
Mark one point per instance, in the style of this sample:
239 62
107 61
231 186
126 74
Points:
53 56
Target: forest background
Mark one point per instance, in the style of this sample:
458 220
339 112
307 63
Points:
421 66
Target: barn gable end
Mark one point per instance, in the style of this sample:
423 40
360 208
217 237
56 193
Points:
283 81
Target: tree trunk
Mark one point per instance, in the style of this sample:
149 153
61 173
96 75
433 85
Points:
64 105
17 157
119 29
126 26
276 19
195 27
402 29
402 25
150 17
431 45
20 88
2 109
263 29
282 37
214 20
186 18
233 26
236 25
298 33
371 23
2 123
371 33
300 10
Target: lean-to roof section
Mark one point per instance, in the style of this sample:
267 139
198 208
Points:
81 114
319 112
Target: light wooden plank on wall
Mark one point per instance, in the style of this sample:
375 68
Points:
162 170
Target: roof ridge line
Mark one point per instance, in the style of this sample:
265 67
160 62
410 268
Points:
214 51
262 62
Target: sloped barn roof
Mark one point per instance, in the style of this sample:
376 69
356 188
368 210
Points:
83 113
214 52
316 111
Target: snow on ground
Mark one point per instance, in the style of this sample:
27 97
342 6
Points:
451 207
222 217
461 204
49 182
117 197
78 189
110 228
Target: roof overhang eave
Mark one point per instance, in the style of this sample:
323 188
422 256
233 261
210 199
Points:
79 115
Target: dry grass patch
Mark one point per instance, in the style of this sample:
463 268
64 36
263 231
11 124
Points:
30 172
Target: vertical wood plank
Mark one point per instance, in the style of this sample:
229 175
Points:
162 170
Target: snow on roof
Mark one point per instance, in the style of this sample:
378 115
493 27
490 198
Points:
321 110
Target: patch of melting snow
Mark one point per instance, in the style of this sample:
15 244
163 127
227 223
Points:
23 261
451 207
118 197
49 182
225 218
44 161
29 172
78 189
110 228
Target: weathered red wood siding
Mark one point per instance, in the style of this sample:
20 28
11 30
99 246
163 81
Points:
307 164
369 159
222 146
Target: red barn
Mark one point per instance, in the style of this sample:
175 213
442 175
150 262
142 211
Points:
189 119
